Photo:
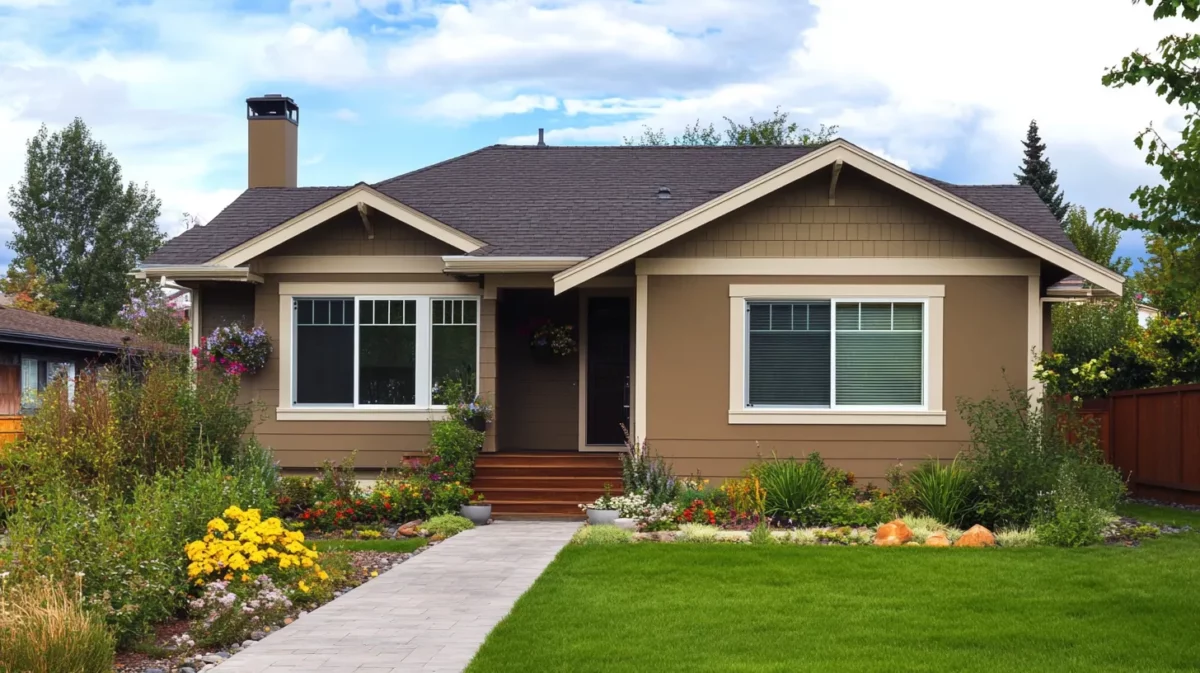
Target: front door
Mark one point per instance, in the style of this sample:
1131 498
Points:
608 350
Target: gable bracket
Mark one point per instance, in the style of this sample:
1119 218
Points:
837 171
364 212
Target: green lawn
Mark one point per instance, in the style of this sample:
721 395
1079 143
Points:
400 545
1156 514
678 607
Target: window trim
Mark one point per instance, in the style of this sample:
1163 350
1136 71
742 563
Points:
930 412
424 294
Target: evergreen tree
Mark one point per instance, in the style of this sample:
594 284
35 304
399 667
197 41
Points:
79 224
1037 173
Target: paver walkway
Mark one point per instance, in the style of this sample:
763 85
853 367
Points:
430 613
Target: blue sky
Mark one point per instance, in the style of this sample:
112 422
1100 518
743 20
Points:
386 86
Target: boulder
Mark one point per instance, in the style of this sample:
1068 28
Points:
937 539
409 529
893 534
976 536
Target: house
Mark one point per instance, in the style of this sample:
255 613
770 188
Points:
1074 289
726 301
35 348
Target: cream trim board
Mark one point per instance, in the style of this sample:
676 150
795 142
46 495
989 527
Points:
838 266
834 417
1034 325
351 198
465 264
807 165
399 289
641 333
335 414
492 283
349 264
197 327
836 291
933 411
192 272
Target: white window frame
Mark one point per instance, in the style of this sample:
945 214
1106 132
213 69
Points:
424 355
929 412
35 402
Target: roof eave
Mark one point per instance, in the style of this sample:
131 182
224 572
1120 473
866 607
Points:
196 272
465 264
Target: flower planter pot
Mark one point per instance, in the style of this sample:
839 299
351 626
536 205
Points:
478 514
599 517
627 523
478 423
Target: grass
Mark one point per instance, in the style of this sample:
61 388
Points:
1172 516
399 545
659 607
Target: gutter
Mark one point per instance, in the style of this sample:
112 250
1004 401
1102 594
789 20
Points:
185 272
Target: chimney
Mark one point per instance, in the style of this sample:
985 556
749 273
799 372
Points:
541 138
273 120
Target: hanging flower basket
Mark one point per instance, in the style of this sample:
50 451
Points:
558 340
236 350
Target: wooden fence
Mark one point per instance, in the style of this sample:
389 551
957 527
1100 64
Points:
1153 437
11 429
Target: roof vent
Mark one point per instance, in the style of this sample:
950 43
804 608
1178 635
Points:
664 192
541 138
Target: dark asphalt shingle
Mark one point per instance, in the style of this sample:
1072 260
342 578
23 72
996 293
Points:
561 201
16 323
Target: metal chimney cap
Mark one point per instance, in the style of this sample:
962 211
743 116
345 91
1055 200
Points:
541 138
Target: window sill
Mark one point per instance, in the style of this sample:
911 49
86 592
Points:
346 414
834 417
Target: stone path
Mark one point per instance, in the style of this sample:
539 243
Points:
430 613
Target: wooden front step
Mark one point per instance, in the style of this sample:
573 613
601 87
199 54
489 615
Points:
546 484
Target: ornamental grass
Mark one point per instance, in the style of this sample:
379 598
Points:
43 629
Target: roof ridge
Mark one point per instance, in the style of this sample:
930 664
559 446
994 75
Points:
642 147
443 162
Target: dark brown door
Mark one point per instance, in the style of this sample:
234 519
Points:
607 369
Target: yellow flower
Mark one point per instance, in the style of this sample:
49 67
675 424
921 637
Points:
322 575
303 587
374 573
218 525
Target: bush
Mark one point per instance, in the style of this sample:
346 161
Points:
761 535
1017 454
295 494
240 545
795 490
696 532
447 525
647 473
924 526
455 447
1078 510
602 535
43 629
944 492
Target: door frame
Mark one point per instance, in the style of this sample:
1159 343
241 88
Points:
586 293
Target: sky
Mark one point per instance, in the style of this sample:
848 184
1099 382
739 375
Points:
943 87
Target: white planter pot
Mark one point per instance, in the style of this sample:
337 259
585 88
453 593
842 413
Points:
626 523
599 517
478 514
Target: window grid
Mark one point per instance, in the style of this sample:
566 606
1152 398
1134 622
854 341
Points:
834 328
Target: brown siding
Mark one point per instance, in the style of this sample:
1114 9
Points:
688 376
304 444
226 303
345 235
538 398
870 219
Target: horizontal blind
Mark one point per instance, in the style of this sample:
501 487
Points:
788 361
879 354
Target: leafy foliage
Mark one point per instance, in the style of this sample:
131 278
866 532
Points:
150 315
1019 450
645 472
944 492
602 535
1170 275
1037 173
1086 331
1097 241
796 490
79 224
777 130
28 288
447 525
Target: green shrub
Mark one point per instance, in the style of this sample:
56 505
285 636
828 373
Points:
944 492
1078 510
1017 537
924 526
1017 453
602 535
697 532
796 490
338 481
43 629
455 446
761 535
295 494
447 525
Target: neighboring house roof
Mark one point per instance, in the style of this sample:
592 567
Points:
26 327
528 201
1075 287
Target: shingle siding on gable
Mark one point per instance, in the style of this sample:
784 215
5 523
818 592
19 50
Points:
345 235
868 220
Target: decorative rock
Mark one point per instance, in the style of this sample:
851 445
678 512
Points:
437 538
154 670
976 536
257 635
409 529
287 620
893 534
213 658
208 667
186 669
937 539
913 543
245 644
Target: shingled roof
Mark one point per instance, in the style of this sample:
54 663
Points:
528 201
28 327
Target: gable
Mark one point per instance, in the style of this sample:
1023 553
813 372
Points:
867 219
344 234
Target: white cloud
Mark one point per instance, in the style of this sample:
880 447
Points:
305 54
468 105
345 115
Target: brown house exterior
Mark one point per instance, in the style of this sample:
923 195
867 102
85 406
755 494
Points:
727 301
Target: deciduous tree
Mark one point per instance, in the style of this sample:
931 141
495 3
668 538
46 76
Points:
777 130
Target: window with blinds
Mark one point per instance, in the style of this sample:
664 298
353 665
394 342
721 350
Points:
827 354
